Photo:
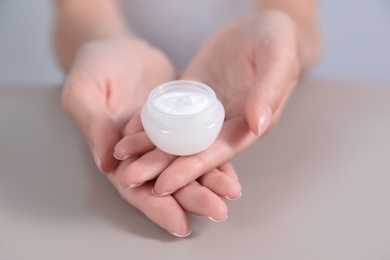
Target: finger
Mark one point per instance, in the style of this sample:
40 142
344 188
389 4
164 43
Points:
82 99
145 168
234 137
133 144
278 72
229 170
134 125
165 211
221 184
199 200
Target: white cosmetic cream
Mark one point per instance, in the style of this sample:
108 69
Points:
182 117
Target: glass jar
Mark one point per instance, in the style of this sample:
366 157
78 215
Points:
182 117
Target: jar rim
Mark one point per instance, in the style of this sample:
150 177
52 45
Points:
171 86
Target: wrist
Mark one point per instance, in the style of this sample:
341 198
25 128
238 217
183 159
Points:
67 50
80 22
303 14
309 40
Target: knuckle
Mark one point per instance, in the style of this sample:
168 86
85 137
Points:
198 163
221 179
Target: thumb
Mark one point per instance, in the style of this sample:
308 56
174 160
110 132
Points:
102 135
265 102
86 104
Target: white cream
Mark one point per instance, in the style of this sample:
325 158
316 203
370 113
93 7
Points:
182 117
182 103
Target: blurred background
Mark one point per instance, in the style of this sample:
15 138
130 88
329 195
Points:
357 34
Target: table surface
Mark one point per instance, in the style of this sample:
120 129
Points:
317 187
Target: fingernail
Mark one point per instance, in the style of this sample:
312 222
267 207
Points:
132 186
178 235
118 158
218 221
264 120
239 196
97 160
160 195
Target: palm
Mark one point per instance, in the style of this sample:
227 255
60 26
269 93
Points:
108 82
244 60
125 73
226 69
228 64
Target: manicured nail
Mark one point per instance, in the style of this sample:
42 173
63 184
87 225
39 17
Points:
181 236
132 186
97 160
218 221
120 159
160 195
239 196
264 120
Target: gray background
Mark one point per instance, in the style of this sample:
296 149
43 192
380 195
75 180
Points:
357 37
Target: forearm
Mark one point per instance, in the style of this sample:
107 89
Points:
80 21
304 14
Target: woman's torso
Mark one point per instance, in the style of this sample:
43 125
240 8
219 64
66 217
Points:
179 27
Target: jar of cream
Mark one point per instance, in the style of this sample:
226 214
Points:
182 117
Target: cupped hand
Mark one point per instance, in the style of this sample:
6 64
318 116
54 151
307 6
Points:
169 212
108 82
141 162
253 66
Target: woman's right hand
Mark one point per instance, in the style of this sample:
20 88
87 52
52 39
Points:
109 81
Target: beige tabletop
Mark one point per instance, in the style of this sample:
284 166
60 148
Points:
317 187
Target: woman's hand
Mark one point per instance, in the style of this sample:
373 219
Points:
108 82
253 66
169 212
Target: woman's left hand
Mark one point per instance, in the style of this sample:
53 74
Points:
253 65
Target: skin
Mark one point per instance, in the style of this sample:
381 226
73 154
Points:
252 64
